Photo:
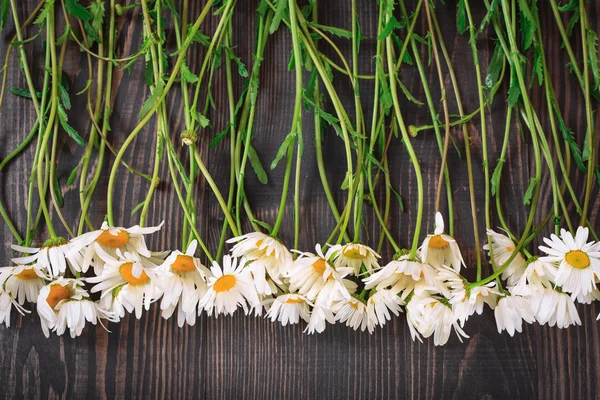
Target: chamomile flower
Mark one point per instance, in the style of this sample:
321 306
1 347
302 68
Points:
24 282
466 302
136 276
502 249
354 313
554 308
314 277
266 255
183 283
7 301
53 257
510 312
538 275
438 319
578 261
229 287
109 240
319 318
74 313
441 249
51 299
288 309
355 255
380 304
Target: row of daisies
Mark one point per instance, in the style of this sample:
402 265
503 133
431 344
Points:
261 276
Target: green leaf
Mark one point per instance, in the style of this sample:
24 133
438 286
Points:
201 119
400 202
533 182
391 24
148 104
461 17
58 193
260 172
514 91
241 67
538 67
97 11
201 38
41 19
61 39
569 137
87 86
24 93
73 174
137 208
572 22
63 119
592 43
280 10
488 16
495 183
340 32
77 10
288 141
219 136
264 225
3 13
187 75
406 92
527 23
495 67
64 97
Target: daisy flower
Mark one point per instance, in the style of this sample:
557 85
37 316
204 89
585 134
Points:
466 302
7 302
136 276
354 313
24 282
63 303
288 309
438 319
578 261
319 318
355 255
229 287
314 277
266 255
502 249
554 308
183 283
441 249
538 275
380 304
54 256
109 240
510 312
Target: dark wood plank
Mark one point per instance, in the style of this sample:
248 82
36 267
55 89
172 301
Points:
247 357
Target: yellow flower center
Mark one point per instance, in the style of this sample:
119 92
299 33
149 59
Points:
353 305
27 275
57 293
319 266
126 272
510 249
578 259
353 253
113 241
183 263
294 301
437 242
224 283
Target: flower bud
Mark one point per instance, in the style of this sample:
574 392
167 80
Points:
188 137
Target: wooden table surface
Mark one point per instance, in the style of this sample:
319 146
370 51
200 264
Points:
252 358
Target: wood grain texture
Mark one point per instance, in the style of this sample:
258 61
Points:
251 358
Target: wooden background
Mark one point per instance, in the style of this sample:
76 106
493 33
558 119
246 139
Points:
247 357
